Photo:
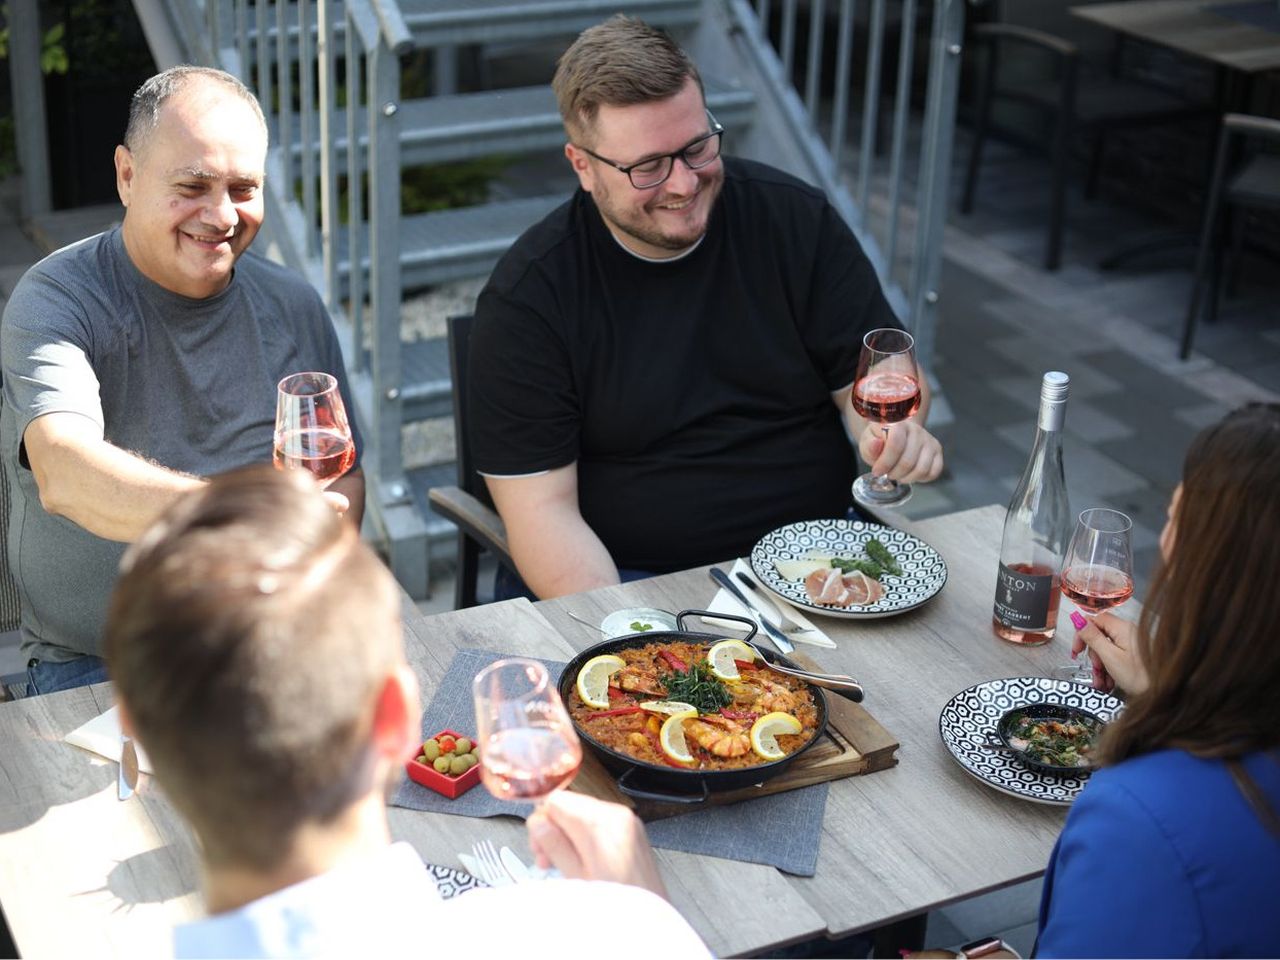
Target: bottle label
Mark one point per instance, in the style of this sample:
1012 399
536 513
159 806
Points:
1023 596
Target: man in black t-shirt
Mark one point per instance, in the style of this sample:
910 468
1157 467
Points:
661 368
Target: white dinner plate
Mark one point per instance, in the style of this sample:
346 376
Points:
969 719
923 569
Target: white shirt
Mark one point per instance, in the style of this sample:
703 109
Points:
387 905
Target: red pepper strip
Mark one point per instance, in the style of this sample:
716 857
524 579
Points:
746 665
619 712
739 715
675 662
615 693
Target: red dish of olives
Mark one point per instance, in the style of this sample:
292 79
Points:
439 757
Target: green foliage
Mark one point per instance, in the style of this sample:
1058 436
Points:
450 185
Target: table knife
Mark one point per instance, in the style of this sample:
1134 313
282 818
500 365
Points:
777 636
127 774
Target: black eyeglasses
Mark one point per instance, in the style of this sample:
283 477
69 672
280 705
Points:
654 171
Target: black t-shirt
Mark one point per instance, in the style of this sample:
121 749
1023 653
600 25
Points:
695 394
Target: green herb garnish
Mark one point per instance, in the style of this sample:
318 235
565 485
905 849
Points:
869 567
640 627
878 552
699 687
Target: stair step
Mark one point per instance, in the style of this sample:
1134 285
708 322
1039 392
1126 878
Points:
428 390
455 244
438 23
422 479
446 22
519 120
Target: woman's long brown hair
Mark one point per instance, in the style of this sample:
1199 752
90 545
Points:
1209 634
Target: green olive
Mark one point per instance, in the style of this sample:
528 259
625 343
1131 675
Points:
458 766
441 764
471 759
464 746
422 759
431 749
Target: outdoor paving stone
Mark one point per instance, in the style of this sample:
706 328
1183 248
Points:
1231 388
997 451
10 275
1202 415
1138 380
1237 346
1091 424
1154 452
1094 476
16 248
1005 909
974 401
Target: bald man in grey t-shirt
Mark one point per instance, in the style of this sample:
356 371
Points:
140 361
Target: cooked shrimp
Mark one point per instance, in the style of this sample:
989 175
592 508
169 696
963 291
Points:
636 679
719 735
774 696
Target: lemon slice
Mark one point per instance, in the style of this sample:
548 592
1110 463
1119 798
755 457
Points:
769 727
722 654
593 679
673 708
671 739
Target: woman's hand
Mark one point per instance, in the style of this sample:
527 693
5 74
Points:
589 839
1112 645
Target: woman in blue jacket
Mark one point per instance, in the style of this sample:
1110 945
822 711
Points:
1173 849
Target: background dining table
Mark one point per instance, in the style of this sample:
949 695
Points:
84 873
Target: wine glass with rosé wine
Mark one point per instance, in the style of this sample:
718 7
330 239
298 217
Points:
1097 573
312 432
528 747
886 390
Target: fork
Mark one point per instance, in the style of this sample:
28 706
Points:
491 868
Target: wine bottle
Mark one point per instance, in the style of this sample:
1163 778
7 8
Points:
1036 529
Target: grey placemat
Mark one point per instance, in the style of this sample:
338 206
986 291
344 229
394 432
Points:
782 830
1262 14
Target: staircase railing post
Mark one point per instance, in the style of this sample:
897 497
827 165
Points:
938 137
328 173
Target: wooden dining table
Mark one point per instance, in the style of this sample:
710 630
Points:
1192 27
84 873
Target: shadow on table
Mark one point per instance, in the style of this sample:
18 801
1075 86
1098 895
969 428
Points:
155 876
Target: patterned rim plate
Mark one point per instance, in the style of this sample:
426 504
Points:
452 882
969 720
923 569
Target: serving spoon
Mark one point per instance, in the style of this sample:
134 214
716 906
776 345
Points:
840 683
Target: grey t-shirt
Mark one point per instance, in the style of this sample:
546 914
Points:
188 384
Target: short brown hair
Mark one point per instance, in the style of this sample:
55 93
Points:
1207 634
618 63
248 637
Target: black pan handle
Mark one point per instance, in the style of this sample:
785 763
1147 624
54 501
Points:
635 793
745 621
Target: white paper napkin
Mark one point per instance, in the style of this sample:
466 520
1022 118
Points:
101 735
725 602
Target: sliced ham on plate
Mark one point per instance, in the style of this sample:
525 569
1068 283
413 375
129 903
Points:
832 588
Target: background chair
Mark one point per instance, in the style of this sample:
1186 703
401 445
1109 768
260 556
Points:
10 606
468 505
1075 104
1254 184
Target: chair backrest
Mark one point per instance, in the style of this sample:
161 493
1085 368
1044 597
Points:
10 605
459 329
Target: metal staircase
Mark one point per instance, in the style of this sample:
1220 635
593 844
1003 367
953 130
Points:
329 78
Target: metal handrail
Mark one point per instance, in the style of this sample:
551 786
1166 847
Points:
914 296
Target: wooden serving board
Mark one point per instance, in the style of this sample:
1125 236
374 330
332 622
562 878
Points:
854 743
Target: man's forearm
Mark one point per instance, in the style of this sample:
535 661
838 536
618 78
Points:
560 556
110 492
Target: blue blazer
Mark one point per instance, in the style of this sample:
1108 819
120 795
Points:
1162 856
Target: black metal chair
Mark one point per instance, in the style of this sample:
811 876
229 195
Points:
468 505
1254 184
1096 106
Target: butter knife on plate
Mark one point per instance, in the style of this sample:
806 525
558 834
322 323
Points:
807 632
777 636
